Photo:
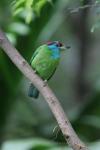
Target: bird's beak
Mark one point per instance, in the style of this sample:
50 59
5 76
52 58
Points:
64 47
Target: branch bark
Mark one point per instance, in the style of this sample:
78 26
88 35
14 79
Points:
70 136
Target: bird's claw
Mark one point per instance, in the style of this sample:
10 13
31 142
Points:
34 71
45 83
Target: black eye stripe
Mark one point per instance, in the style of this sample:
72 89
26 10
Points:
59 44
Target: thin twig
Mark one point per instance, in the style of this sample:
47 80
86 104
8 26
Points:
75 10
71 137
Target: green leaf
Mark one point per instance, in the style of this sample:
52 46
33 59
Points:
17 4
29 6
11 37
29 15
28 144
19 28
38 5
17 11
29 3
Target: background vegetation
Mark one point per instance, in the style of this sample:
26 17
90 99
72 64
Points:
27 124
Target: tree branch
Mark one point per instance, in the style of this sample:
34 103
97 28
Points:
75 10
64 124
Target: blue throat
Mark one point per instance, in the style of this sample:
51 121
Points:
55 51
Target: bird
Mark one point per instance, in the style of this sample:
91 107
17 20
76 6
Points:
45 61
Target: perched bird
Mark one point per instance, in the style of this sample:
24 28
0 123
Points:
45 61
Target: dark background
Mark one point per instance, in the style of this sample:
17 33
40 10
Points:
27 123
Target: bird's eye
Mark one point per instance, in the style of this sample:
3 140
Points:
59 44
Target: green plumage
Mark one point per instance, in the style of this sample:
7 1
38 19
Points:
44 64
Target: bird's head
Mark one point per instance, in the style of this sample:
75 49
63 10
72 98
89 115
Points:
57 45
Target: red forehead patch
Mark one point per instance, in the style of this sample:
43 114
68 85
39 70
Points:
59 44
49 43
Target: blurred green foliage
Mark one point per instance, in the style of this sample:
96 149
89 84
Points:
39 144
28 24
28 6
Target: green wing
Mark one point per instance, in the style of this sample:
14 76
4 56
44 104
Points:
52 73
35 53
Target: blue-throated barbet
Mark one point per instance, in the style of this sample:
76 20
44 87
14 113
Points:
45 61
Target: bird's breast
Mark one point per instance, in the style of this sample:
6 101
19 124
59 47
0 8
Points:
55 54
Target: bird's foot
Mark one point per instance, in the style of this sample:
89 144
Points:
34 71
45 83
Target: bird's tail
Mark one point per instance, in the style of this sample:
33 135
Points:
33 91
